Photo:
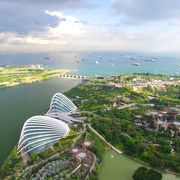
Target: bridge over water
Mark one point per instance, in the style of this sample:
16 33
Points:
72 76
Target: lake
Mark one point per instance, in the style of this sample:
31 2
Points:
120 167
19 103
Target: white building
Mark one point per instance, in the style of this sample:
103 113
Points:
39 133
61 104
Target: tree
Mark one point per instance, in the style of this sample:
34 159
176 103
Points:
143 173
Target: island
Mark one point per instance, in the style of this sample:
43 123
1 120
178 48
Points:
12 76
137 115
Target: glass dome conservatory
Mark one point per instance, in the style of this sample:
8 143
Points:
60 103
39 133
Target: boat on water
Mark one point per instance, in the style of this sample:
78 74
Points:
47 58
133 59
150 60
136 64
178 65
77 60
83 59
112 65
154 58
97 62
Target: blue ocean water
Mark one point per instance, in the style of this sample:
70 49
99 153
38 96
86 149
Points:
99 63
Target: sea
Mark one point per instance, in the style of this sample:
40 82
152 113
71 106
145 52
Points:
90 63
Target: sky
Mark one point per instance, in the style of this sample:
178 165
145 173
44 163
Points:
62 25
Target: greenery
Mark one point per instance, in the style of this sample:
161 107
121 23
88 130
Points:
142 173
99 102
12 76
13 166
98 148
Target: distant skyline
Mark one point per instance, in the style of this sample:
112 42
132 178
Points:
60 25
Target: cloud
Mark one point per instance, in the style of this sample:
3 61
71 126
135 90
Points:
45 26
24 17
69 34
69 26
73 34
65 4
147 10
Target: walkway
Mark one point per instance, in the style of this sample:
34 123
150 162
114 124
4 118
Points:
104 140
127 106
75 169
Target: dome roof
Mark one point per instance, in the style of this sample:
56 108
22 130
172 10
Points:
39 133
60 103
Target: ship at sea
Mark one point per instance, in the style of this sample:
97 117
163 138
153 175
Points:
97 62
133 59
88 63
136 64
150 60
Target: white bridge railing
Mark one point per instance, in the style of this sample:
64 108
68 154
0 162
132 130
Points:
72 76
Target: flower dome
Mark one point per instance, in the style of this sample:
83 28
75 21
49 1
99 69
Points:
60 103
39 133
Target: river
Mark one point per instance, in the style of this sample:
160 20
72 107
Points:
21 102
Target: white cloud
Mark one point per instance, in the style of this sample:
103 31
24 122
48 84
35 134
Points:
69 26
72 34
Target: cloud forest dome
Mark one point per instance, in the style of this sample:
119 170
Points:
60 103
39 133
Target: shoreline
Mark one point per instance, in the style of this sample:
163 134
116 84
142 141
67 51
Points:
129 164
147 165
6 154
55 73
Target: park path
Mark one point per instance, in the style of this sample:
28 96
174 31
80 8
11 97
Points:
127 106
104 140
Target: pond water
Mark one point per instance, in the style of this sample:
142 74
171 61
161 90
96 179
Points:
120 167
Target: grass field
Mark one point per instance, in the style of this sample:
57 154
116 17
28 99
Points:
12 76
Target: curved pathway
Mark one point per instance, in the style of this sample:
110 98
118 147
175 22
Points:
104 140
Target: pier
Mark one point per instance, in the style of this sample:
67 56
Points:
72 76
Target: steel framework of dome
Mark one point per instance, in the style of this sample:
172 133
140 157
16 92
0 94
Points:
60 103
39 133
